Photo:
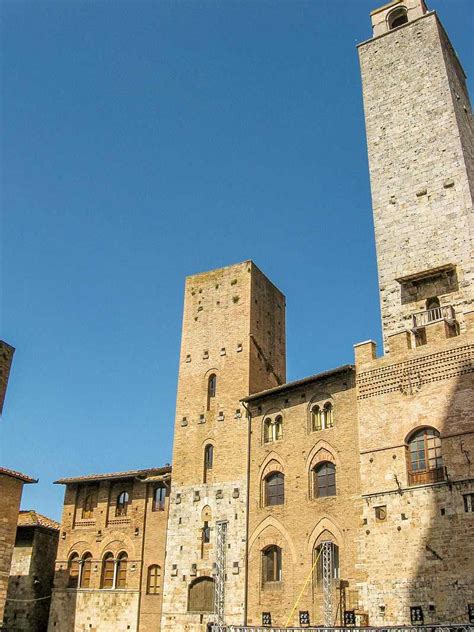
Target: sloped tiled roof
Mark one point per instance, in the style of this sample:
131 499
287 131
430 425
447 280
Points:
306 380
21 477
152 471
31 518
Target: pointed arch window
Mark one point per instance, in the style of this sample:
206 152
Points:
153 582
211 389
273 429
121 572
333 561
73 570
324 479
208 460
86 567
274 485
121 507
425 461
271 564
108 571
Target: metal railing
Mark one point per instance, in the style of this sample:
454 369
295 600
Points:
455 627
421 319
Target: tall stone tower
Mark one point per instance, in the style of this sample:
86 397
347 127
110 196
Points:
420 143
233 344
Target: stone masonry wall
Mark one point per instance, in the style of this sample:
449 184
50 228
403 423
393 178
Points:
303 521
420 554
417 144
6 357
31 579
10 493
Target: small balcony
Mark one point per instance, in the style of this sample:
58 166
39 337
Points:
429 476
421 319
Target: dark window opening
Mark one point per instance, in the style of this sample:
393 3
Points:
275 489
325 479
271 564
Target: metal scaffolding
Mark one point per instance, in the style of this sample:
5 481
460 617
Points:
221 545
328 573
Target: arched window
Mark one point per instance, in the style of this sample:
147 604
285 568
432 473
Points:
108 571
86 563
153 581
397 17
208 460
271 564
273 429
73 570
425 460
159 498
274 488
211 389
88 507
324 479
201 595
122 504
333 558
121 572
322 417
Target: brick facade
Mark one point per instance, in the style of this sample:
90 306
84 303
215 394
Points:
6 358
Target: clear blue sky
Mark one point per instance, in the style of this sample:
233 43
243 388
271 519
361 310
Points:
145 141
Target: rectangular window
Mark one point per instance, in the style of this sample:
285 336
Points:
159 498
468 503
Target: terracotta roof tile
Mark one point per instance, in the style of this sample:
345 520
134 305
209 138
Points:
21 477
152 471
31 518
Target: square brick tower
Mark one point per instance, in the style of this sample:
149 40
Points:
233 344
420 138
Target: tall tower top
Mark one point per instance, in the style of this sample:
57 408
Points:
396 14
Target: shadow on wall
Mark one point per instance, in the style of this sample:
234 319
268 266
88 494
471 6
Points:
443 584
62 617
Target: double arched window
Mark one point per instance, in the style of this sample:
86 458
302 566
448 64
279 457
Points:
397 17
114 571
122 504
153 581
324 479
208 460
274 488
322 416
272 429
425 462
271 564
201 595
79 570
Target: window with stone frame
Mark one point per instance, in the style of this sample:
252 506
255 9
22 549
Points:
425 461
86 567
468 503
121 506
121 572
272 564
88 506
272 429
397 17
208 460
274 489
108 571
153 583
322 416
159 497
211 390
324 479
73 566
